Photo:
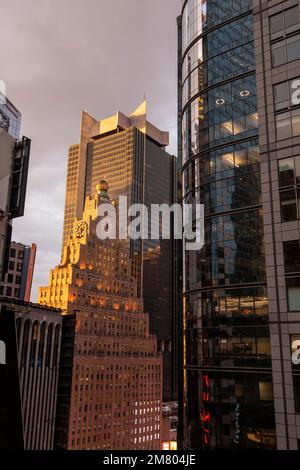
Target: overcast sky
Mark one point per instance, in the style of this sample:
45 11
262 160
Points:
60 56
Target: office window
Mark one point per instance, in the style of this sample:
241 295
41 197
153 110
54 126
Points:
279 56
289 188
287 94
11 266
291 252
286 168
8 291
292 270
12 253
288 124
293 293
265 391
296 384
285 51
295 346
289 205
284 23
283 126
281 96
276 24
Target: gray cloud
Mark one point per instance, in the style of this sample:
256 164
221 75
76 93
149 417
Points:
61 56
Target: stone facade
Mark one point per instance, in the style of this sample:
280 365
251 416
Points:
117 372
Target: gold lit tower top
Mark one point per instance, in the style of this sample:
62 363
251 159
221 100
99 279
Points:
92 271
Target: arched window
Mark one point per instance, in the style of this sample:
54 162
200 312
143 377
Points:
18 329
41 344
56 346
25 343
34 341
49 344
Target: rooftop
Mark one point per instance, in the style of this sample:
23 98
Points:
137 119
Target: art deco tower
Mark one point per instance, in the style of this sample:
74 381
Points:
116 379
130 154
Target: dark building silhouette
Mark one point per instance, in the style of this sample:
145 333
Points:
17 279
32 335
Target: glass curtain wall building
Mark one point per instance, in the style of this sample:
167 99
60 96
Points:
227 386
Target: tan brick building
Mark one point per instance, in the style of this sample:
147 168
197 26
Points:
116 379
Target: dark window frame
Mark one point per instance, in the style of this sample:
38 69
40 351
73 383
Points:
286 30
287 104
294 188
284 44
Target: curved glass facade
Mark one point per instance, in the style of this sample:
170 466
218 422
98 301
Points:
228 391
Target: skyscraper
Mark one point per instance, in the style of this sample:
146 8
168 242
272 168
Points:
239 85
114 397
277 48
17 279
32 335
129 153
13 174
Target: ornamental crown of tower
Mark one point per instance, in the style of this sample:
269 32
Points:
102 189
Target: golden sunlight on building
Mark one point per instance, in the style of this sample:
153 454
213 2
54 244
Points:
116 386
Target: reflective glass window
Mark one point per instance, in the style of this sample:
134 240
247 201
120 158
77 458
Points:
233 252
287 94
288 204
285 51
287 124
293 293
283 126
286 168
296 386
10 117
198 15
293 48
279 54
235 409
227 346
276 23
228 161
291 252
285 22
281 96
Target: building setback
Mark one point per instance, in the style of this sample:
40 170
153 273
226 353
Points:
17 279
129 153
113 396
